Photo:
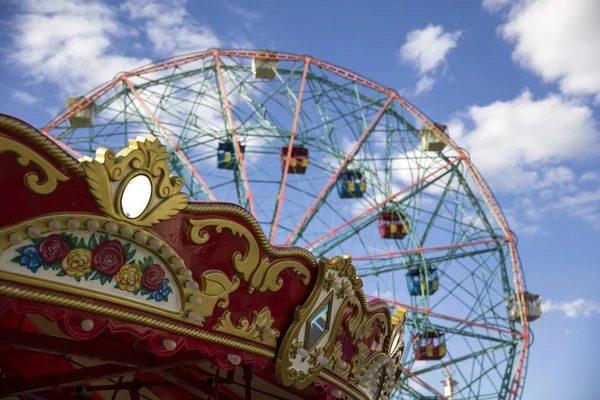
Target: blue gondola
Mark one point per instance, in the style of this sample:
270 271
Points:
351 184
417 284
226 157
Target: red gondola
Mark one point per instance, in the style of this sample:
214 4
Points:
298 160
393 225
430 345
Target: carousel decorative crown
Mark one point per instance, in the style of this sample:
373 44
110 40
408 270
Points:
110 252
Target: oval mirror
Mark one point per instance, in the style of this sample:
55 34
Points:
136 196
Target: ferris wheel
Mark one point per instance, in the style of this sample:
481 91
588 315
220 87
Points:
330 161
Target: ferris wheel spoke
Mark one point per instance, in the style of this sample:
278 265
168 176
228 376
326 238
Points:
236 140
167 136
320 197
426 311
288 158
460 330
423 383
393 254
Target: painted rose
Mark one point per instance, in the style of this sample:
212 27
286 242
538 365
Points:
153 277
129 277
108 257
77 263
53 248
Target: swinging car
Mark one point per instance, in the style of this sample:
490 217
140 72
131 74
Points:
351 184
418 284
430 141
226 157
533 307
298 160
84 118
392 225
430 345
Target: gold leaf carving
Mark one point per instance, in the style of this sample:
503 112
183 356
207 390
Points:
334 365
294 346
215 290
26 155
254 331
109 173
259 272
360 327
358 362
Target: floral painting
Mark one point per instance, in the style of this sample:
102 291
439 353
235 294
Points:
98 258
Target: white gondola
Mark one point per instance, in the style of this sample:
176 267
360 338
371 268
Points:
264 68
84 118
430 141
533 307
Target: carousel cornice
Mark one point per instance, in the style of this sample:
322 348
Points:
180 274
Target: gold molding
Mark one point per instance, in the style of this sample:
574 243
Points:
27 156
42 223
109 174
255 230
251 331
42 141
284 371
214 291
333 366
260 273
128 316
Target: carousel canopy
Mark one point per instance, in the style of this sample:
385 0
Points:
112 281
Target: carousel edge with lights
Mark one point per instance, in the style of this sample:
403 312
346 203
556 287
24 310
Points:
112 280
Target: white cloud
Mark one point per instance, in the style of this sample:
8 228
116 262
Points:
170 28
559 41
243 12
590 176
425 84
572 309
24 97
79 44
426 49
69 43
513 142
495 5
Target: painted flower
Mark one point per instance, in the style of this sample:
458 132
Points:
161 293
129 277
108 257
153 277
30 258
77 263
53 248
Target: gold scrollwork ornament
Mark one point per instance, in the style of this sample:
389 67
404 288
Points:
255 331
109 173
260 273
31 179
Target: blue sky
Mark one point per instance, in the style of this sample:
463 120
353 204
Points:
517 82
